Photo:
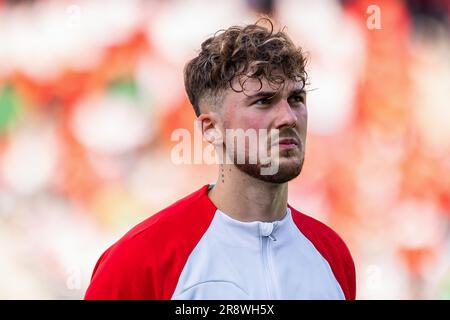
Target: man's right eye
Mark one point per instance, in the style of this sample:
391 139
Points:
264 101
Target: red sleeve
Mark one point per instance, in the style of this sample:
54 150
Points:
332 248
147 262
118 274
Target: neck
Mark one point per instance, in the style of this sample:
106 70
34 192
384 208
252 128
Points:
245 198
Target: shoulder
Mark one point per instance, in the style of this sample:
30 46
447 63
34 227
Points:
317 231
175 219
331 246
162 241
170 224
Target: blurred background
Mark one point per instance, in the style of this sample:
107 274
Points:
90 92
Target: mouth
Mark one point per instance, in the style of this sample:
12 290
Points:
287 143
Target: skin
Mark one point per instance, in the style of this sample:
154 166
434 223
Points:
240 191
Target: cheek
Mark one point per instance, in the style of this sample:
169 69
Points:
244 119
304 118
302 121
252 122
302 114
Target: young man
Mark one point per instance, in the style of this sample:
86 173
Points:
239 238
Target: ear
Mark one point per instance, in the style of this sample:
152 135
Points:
209 125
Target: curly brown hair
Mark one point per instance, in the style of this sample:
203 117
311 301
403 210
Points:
240 53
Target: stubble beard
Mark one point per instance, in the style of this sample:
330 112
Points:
286 171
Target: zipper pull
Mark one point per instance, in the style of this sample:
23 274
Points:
267 230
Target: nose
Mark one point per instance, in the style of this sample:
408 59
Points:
286 117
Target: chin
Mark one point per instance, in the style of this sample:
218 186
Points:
288 169
286 172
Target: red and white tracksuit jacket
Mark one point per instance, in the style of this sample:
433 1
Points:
192 250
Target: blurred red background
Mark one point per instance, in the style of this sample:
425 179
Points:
90 93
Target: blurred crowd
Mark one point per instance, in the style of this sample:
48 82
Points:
90 92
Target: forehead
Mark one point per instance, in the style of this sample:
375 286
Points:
251 86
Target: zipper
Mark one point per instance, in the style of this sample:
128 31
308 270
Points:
269 279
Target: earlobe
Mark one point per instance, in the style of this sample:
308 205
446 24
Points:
208 126
205 122
209 135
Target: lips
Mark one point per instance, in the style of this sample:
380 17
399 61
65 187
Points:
288 143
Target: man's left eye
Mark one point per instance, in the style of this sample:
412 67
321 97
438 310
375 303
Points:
298 98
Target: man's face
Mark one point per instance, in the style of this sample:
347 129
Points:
264 109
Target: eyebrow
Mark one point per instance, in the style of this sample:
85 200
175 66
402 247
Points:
265 94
